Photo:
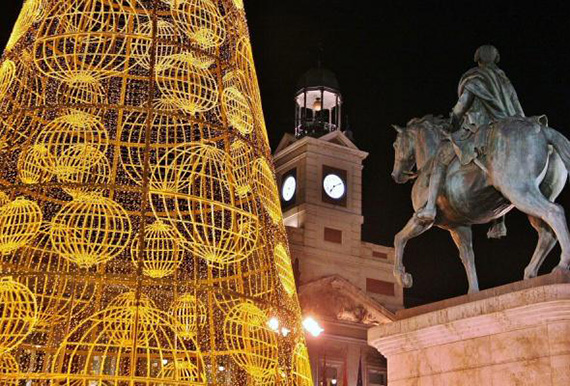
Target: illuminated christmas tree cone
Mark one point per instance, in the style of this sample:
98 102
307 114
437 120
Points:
141 235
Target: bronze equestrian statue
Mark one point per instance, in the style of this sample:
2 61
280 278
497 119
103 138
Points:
505 161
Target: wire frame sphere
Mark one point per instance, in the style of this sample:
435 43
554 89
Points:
267 189
161 252
82 92
200 20
36 165
180 371
241 154
88 38
190 314
189 86
166 34
20 222
251 343
4 199
130 345
167 131
285 269
192 185
73 129
8 366
59 295
7 75
129 299
238 110
31 12
301 368
82 169
19 313
91 230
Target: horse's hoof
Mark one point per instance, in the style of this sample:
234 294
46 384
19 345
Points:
560 269
407 281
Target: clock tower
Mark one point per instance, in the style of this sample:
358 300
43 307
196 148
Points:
344 281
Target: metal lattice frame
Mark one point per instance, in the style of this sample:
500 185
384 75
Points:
141 236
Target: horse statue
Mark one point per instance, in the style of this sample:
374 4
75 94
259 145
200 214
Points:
522 163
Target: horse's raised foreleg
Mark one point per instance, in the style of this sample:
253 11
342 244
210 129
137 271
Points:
546 241
413 228
463 238
530 200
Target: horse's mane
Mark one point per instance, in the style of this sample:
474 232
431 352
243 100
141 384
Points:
432 122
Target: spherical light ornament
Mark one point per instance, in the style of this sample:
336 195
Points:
192 88
7 75
195 186
73 129
241 154
129 299
91 230
36 165
200 20
140 338
186 372
31 12
249 340
81 168
8 367
161 253
301 369
285 269
59 295
190 314
238 110
166 35
19 313
266 187
20 222
88 37
4 199
82 92
167 131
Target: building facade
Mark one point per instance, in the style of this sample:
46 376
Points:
344 283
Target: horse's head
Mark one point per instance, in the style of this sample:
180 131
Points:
405 156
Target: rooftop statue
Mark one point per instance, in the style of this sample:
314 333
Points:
469 169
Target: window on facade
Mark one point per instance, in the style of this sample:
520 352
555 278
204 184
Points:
377 378
333 235
380 255
380 287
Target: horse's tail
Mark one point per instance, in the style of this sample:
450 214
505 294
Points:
560 143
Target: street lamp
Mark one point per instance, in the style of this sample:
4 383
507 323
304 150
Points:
312 327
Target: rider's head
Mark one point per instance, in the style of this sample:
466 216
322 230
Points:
486 55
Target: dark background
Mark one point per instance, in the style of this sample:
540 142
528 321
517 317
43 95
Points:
397 60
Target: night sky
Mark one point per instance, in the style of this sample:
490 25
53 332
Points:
396 60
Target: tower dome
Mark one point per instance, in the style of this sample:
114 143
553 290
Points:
318 103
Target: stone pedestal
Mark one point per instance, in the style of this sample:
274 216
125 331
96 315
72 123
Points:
517 334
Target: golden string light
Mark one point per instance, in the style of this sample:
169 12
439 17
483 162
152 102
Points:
141 235
161 253
20 222
90 230
252 344
18 314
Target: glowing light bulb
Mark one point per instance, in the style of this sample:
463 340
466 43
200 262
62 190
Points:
312 327
273 324
334 381
285 332
318 105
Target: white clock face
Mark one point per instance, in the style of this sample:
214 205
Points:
334 186
289 188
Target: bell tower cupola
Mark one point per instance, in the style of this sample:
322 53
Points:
318 104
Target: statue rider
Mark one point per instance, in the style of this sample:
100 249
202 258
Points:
486 95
